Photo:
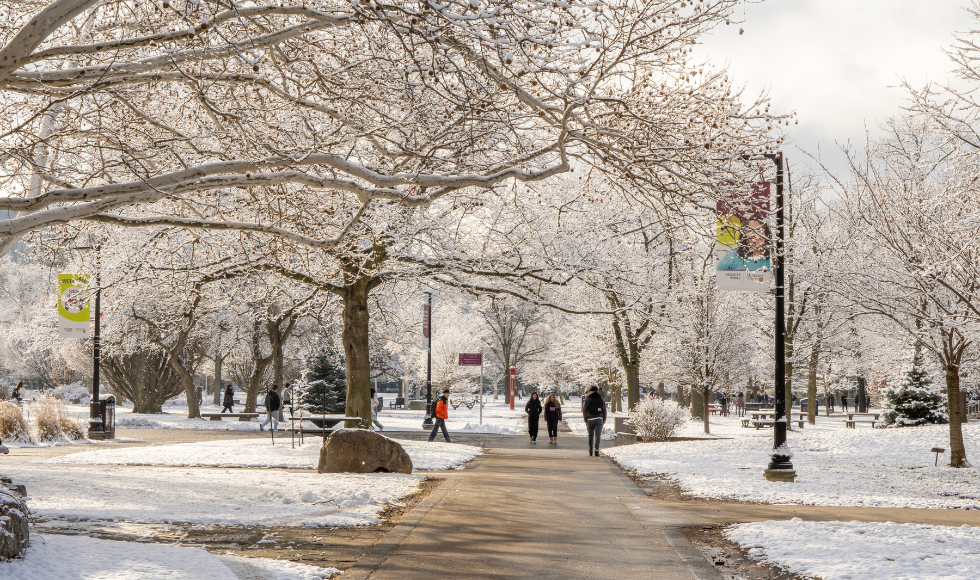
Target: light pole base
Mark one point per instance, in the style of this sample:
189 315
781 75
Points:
428 423
784 475
96 429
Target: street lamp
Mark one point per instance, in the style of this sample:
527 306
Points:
96 427
780 467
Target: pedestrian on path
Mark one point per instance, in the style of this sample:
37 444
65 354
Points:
594 412
533 410
375 408
740 405
830 403
442 414
843 402
272 404
229 400
19 391
552 415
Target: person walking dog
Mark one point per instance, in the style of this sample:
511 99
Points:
533 410
442 413
272 404
552 415
375 408
594 412
229 400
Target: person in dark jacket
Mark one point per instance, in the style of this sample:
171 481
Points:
272 405
594 412
552 415
843 401
441 412
533 410
229 400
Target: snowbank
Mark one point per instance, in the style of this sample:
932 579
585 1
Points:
860 551
257 453
838 467
210 496
53 557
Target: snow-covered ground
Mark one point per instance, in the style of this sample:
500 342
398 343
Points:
860 551
835 466
210 496
258 453
54 557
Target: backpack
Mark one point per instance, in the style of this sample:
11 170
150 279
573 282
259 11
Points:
594 405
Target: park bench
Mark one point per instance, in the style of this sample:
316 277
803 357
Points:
398 403
852 423
220 416
469 404
874 416
455 404
760 423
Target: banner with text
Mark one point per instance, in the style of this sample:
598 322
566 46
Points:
743 239
73 307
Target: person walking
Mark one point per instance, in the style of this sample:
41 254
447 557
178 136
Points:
272 405
830 402
19 391
552 415
724 406
533 410
594 412
229 400
843 402
740 405
375 407
442 413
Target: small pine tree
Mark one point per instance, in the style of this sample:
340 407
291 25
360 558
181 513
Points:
325 391
914 400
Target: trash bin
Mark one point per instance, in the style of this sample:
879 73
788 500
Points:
107 413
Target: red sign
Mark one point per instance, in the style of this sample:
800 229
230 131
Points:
426 310
470 359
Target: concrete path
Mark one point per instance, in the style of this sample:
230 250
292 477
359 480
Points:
541 513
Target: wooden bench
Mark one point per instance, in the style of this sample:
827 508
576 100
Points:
455 404
760 423
239 416
398 403
470 404
874 416
852 423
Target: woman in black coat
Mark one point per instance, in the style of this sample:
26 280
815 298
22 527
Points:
229 400
533 410
552 415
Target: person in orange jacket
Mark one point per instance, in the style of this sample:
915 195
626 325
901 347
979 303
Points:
442 413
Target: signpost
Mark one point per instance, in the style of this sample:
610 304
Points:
472 359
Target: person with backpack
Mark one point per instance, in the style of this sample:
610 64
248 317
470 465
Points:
533 410
375 408
442 414
594 413
552 415
272 405
229 400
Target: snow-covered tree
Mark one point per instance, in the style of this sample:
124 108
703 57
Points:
914 400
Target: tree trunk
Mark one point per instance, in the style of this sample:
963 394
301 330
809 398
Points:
632 385
680 396
660 391
705 395
957 450
356 349
811 385
697 404
788 398
219 360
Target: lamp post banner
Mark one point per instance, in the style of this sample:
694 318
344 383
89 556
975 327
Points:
426 317
470 359
744 242
73 306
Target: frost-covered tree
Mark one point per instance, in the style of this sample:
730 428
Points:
325 388
914 400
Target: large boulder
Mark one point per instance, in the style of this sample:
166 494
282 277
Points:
13 524
362 451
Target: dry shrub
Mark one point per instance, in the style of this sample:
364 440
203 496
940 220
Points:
656 420
71 425
13 425
46 417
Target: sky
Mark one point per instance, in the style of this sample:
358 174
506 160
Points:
837 63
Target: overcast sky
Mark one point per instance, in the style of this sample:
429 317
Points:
837 62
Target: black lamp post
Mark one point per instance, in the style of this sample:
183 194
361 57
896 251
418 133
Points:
96 427
780 467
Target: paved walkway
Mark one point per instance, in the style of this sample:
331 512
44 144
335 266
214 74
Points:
542 513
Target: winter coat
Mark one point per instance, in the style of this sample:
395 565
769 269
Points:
593 407
272 401
375 404
229 397
533 407
442 408
552 412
